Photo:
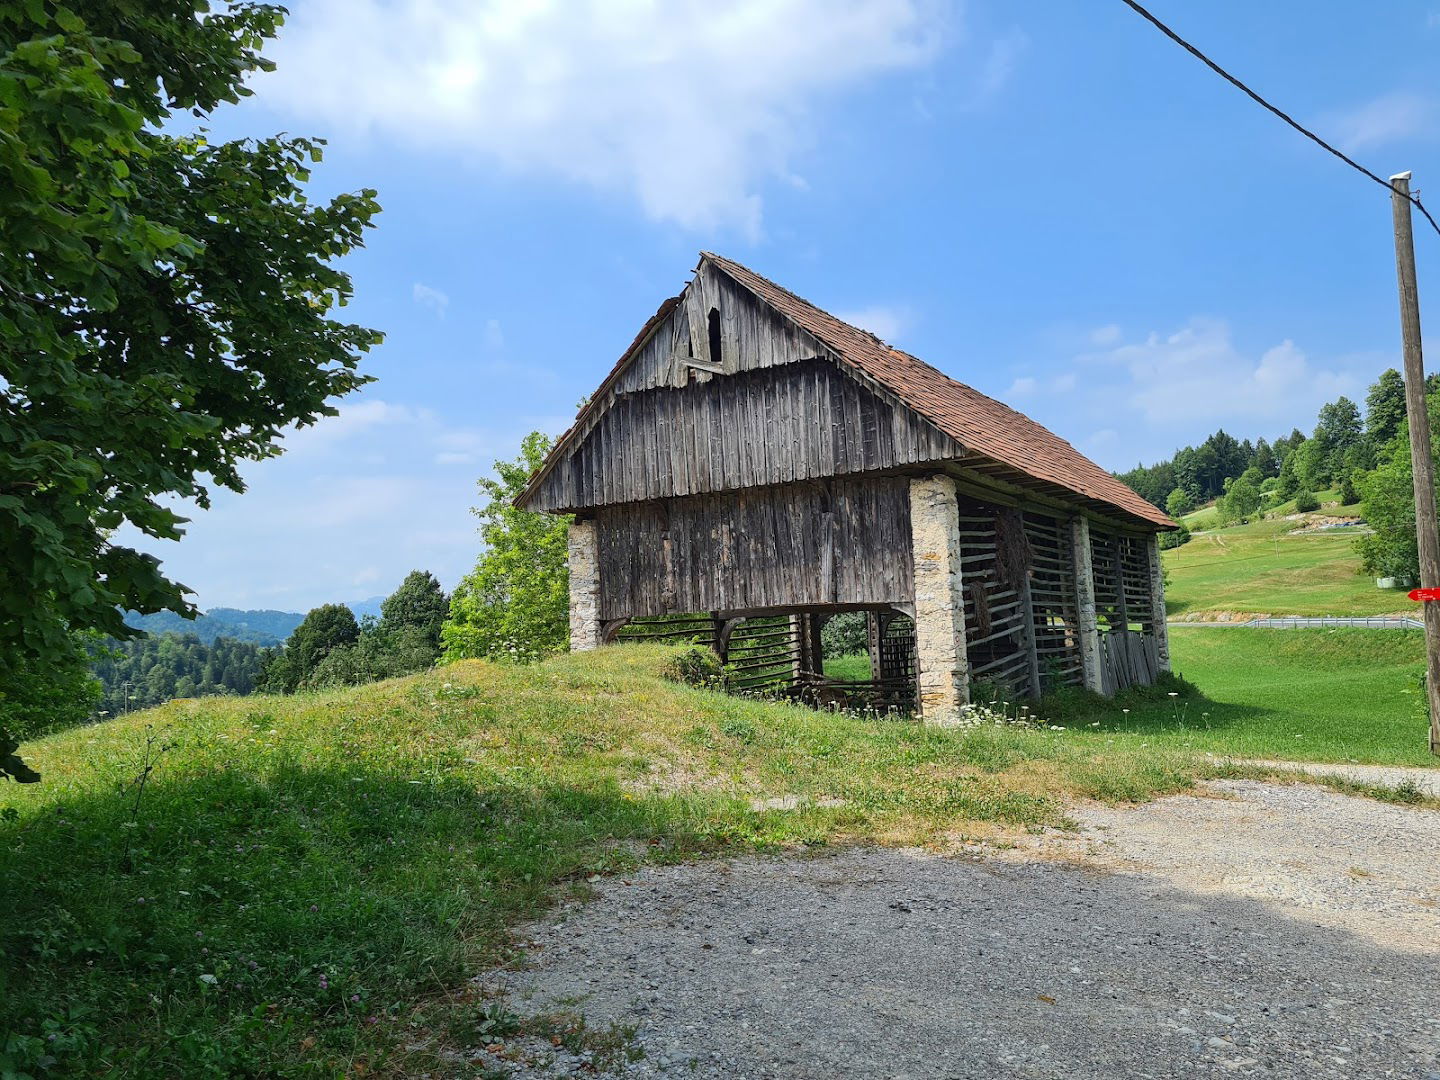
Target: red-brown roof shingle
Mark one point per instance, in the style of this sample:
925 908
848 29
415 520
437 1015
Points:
979 423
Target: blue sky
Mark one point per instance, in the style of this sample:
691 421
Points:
1048 201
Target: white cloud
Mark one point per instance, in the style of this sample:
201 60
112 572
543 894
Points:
1000 63
886 323
1023 387
1105 335
1197 373
430 297
1387 119
686 106
1142 400
493 338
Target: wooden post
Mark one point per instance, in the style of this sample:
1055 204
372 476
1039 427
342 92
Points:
1157 603
1088 628
1426 529
873 629
1027 636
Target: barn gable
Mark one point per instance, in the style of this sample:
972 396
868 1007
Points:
739 383
722 393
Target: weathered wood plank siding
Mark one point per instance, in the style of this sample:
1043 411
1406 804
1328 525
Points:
842 541
751 338
802 421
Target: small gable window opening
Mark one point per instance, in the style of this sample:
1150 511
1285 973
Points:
715 357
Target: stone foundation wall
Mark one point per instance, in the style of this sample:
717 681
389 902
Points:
942 679
584 561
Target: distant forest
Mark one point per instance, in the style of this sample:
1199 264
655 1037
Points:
259 627
153 670
1343 445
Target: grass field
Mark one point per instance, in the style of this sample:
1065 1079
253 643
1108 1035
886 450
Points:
303 886
1303 695
1266 568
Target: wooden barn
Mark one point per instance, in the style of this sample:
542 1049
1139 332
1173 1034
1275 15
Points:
753 466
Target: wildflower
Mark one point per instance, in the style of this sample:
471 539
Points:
1173 694
354 997
314 907
199 933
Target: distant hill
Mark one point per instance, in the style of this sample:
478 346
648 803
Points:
264 627
258 627
361 608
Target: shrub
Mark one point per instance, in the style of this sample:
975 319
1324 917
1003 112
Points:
1306 502
696 666
1174 539
844 635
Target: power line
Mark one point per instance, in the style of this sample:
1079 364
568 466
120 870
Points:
1253 96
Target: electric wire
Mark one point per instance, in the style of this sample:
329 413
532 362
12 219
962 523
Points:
1233 81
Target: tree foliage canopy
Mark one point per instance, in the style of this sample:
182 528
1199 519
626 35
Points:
165 300
515 603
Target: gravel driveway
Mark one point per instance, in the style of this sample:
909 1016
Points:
1262 930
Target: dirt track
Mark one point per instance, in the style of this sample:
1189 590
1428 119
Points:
1258 930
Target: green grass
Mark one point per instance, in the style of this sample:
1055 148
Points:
1266 568
849 668
1303 695
304 886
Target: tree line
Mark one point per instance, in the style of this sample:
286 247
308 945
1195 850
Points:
153 670
1244 478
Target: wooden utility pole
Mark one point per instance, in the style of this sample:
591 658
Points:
1426 527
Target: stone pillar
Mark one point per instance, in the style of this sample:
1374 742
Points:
1157 602
942 673
584 560
1088 629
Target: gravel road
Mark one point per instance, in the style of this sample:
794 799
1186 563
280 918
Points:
1258 930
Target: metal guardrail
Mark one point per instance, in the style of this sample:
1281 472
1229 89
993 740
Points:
1310 622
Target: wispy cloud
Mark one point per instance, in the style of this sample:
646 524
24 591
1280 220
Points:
1141 399
430 297
886 322
1388 119
689 106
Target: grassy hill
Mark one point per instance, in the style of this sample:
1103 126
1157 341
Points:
303 886
1268 567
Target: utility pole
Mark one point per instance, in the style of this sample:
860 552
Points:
1426 528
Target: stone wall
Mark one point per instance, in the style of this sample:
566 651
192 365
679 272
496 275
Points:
942 680
584 560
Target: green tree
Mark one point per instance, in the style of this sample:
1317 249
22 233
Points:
1242 499
515 603
1388 498
1384 408
325 628
1312 464
1289 479
1179 503
1266 460
418 605
165 301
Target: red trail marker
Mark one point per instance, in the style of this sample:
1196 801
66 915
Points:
1424 596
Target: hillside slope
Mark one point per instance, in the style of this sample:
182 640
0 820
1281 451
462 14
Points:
302 884
1281 565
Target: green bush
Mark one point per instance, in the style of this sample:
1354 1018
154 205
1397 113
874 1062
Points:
696 666
844 635
1175 538
1306 502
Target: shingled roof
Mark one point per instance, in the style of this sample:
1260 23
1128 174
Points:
988 429
979 423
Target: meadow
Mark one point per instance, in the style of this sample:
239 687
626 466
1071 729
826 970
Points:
303 886
1267 568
